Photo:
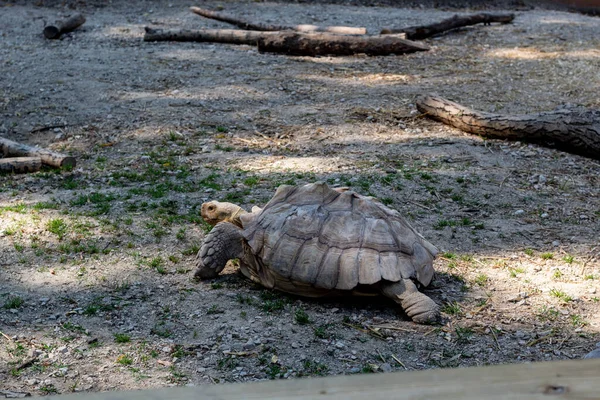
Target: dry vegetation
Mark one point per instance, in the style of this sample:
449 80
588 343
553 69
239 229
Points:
95 263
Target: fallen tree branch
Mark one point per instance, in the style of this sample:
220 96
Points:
14 149
20 164
573 130
63 26
251 26
232 36
294 43
457 21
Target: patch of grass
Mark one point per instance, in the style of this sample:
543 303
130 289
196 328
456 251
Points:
13 302
122 338
547 256
192 250
271 302
314 368
216 285
274 371
251 181
69 326
244 299
546 313
529 252
452 308
227 363
557 274
568 259
48 389
369 368
514 272
158 264
45 205
463 334
561 295
210 182
321 331
301 317
17 208
58 227
158 330
481 280
124 359
578 321
214 309
442 223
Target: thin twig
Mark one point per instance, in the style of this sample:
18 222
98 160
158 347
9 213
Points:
371 332
540 339
590 258
394 328
380 356
419 205
7 338
495 338
399 362
47 128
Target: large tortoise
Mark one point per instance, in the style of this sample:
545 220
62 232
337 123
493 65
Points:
314 241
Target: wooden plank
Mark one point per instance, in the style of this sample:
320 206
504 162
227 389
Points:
576 379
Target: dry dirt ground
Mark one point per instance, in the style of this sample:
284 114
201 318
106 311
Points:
96 263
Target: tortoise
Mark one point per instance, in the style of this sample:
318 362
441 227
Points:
315 241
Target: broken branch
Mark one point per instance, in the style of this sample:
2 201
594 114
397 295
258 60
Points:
251 26
424 31
14 149
294 43
63 26
20 164
573 130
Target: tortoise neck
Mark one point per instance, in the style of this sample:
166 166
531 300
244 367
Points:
235 216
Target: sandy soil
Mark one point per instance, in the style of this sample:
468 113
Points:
96 263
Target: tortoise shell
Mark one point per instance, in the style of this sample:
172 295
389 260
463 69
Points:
333 239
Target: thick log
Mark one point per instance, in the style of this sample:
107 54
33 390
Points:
573 130
251 26
62 26
14 149
294 43
457 21
20 164
315 44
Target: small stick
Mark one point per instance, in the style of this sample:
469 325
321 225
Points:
394 328
399 362
63 26
419 205
590 258
495 337
5 336
380 356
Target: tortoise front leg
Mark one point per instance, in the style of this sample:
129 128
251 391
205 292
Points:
223 243
415 304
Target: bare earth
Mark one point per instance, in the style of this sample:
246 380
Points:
96 263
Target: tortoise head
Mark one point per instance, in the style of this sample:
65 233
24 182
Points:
214 212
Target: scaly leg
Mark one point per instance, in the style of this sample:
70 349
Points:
415 304
222 244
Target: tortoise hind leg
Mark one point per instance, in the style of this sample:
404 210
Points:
415 304
223 243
